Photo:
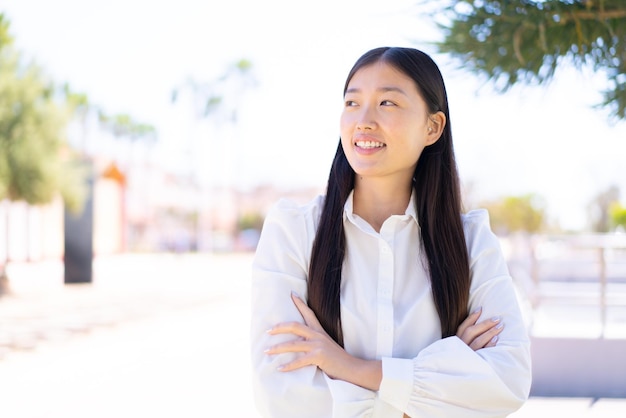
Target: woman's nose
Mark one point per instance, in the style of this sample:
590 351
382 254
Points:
366 119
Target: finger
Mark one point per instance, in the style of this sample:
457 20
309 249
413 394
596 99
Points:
294 346
299 363
488 338
296 328
469 321
492 342
474 331
307 313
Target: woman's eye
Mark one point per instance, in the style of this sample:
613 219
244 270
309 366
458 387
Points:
350 103
387 103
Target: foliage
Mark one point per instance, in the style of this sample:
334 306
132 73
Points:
511 41
219 98
517 213
78 103
250 220
618 215
5 36
599 209
124 126
32 129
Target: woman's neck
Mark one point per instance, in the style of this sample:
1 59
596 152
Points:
376 200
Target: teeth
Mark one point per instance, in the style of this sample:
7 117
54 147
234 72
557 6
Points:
369 144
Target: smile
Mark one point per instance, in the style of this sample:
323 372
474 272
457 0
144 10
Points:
369 144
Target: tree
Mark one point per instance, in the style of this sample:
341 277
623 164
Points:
217 102
121 126
35 162
219 98
512 41
618 215
127 132
5 36
517 214
600 209
124 126
33 154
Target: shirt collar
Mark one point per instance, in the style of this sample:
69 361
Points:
348 208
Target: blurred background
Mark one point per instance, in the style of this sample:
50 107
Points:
142 143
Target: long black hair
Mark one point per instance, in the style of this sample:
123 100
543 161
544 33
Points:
438 206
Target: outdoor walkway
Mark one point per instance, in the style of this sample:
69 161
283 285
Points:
154 336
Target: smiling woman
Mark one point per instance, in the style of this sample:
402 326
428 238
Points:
392 321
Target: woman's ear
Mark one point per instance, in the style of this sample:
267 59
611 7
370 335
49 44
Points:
436 124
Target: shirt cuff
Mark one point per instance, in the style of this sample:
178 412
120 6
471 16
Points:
350 400
397 383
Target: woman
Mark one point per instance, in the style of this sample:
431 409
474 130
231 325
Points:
389 268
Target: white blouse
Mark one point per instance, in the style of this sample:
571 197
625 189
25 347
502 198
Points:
388 313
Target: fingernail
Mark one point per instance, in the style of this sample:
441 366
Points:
494 339
280 368
269 331
500 325
495 319
480 308
294 293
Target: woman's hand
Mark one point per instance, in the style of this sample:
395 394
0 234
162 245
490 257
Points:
318 349
315 344
480 335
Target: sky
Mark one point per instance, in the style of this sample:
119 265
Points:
129 55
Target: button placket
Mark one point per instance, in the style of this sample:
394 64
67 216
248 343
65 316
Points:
385 299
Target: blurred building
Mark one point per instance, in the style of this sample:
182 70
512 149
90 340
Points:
145 209
31 232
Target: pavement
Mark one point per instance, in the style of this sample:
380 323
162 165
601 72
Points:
153 335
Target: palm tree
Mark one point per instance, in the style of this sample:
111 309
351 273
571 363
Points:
217 102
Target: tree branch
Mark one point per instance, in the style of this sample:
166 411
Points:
601 15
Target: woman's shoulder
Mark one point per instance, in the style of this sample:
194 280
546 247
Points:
477 228
291 207
487 260
475 218
290 211
291 224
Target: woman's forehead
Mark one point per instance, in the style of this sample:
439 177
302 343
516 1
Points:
380 76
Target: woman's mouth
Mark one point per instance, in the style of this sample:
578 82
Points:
369 144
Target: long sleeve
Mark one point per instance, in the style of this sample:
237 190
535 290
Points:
447 378
280 267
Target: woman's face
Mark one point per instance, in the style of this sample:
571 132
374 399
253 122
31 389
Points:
385 123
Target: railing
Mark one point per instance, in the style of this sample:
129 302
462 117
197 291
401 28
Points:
567 268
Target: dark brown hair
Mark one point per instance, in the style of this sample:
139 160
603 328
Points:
438 207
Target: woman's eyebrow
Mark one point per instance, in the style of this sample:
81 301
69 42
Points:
380 89
392 89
